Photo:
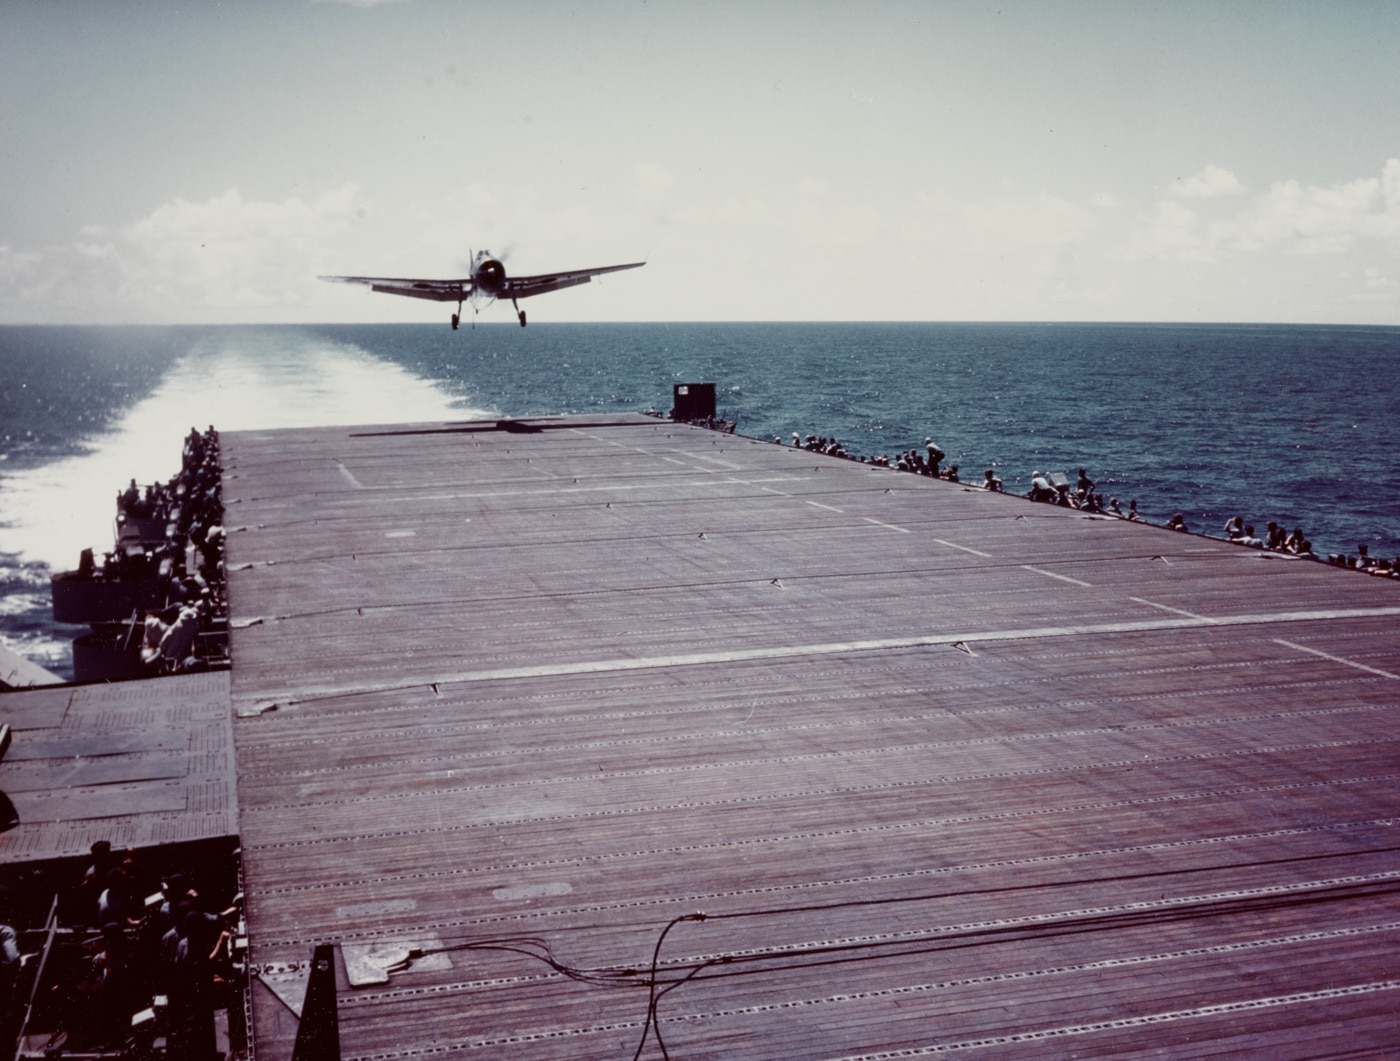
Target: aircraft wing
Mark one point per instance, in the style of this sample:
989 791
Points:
525 286
434 290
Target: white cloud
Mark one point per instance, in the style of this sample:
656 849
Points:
1171 232
1390 186
1375 288
223 258
1213 182
796 245
1330 219
230 252
25 282
15 265
1288 217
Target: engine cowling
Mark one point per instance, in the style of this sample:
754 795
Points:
490 277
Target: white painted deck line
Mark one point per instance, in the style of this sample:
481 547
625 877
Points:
964 548
1062 578
887 526
604 666
1169 608
1336 659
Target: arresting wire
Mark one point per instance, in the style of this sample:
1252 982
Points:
772 960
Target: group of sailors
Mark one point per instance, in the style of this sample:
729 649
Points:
189 561
140 955
910 460
1048 488
1055 489
1275 539
1295 543
1362 560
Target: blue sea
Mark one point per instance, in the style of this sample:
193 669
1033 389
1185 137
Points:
1297 424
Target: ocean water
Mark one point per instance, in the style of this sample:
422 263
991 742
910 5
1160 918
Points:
1297 424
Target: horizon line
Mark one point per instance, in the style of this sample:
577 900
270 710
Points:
666 323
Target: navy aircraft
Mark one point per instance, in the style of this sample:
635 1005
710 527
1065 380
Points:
488 281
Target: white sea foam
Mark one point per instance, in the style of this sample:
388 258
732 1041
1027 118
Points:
243 380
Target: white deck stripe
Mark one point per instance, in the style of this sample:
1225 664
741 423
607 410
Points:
964 548
728 465
349 476
741 655
887 526
1169 608
545 489
1336 659
1062 578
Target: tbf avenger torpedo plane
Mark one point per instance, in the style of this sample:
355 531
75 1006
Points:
488 281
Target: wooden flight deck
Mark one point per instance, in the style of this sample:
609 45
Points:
946 772
138 764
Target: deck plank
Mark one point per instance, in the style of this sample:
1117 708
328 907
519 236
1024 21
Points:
940 767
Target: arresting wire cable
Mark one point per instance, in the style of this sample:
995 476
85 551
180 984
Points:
779 960
772 960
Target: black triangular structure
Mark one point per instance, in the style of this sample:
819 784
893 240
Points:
318 1035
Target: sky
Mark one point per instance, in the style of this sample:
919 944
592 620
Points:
1188 161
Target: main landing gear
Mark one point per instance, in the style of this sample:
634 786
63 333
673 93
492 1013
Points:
457 317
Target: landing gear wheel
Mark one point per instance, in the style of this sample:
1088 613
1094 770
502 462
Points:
456 320
522 318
